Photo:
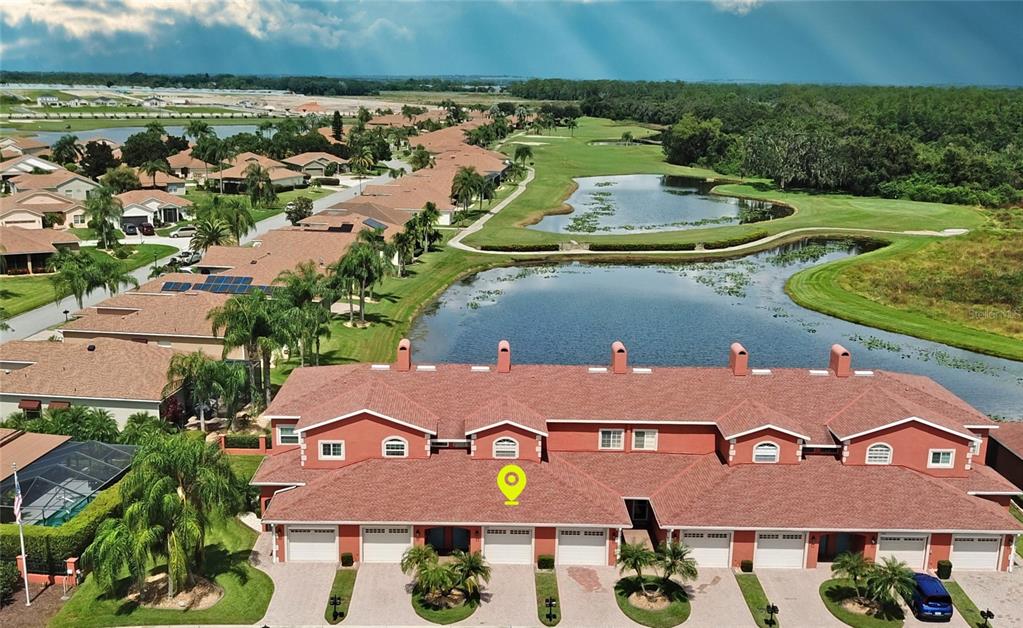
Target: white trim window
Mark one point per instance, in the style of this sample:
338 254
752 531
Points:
286 435
879 453
506 447
612 439
975 447
394 447
941 458
766 453
644 440
331 449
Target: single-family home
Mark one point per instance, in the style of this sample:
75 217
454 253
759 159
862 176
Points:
783 467
17 146
153 206
47 101
280 175
103 101
24 251
161 181
77 102
26 164
185 165
60 181
27 209
119 376
154 101
276 251
314 164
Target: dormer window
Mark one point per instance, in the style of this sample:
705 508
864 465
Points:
395 447
506 448
286 435
941 458
332 450
879 453
766 453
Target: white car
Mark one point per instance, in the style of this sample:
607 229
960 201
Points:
183 232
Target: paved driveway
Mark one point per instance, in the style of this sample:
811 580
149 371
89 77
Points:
796 592
300 589
381 598
509 599
1001 592
717 601
587 598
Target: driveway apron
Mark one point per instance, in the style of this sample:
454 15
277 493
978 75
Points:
509 599
717 601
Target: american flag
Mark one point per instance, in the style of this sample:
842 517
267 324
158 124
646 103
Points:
17 500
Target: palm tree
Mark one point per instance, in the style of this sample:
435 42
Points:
523 153
636 557
428 220
220 153
521 113
675 559
572 124
404 243
299 296
464 185
421 158
104 212
258 185
415 557
197 129
852 565
72 275
142 427
153 166
111 274
66 149
627 138
234 389
232 211
361 162
363 266
248 321
471 569
124 545
889 581
198 375
209 232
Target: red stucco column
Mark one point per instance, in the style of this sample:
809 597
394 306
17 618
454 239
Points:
941 549
743 543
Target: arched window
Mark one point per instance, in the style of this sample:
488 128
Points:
879 453
506 448
765 453
395 447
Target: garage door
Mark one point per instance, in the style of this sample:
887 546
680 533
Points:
977 552
508 546
779 550
385 544
710 549
306 544
909 548
582 546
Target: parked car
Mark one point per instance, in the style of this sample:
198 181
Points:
187 258
930 598
183 232
130 229
147 229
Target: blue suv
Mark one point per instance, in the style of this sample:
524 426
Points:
930 599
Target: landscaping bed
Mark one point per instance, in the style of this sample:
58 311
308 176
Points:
344 584
838 596
441 614
547 586
670 608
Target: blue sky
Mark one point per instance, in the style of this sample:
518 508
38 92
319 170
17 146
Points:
939 42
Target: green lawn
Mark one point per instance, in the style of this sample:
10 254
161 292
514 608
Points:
755 598
247 591
245 465
547 586
344 584
964 604
24 293
676 612
834 591
820 288
262 213
85 233
441 615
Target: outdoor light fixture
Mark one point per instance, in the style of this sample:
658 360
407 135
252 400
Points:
335 601
66 312
987 616
771 610
551 604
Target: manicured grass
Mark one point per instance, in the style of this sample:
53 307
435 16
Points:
85 233
245 465
547 586
755 598
833 592
344 583
441 615
23 293
823 288
247 591
964 604
676 612
261 213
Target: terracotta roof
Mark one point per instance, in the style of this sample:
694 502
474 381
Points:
26 143
396 119
448 486
185 159
369 209
162 178
382 399
48 181
161 196
285 467
311 106
23 448
19 241
38 201
750 415
276 173
151 313
276 251
984 479
116 369
304 158
336 219
501 409
1010 435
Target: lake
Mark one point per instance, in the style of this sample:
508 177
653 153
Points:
645 202
119 134
686 314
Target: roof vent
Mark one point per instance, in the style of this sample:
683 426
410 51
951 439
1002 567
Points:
841 361
380 367
619 358
760 371
504 357
90 348
597 369
404 362
738 359
642 370
863 373
479 369
819 372
426 367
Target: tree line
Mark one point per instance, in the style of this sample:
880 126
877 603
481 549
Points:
942 144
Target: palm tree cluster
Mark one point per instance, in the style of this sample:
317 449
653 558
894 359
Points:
468 186
362 267
177 487
251 321
487 134
877 584
221 220
259 186
421 158
208 384
436 581
103 212
82 423
66 150
80 274
673 557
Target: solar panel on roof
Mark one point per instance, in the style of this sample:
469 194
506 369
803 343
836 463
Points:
375 224
245 280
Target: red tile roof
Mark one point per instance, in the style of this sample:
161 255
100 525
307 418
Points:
19 241
1010 435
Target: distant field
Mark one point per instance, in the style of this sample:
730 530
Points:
63 110
435 98
197 109
27 128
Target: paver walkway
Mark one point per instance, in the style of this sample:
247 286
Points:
717 601
509 599
300 589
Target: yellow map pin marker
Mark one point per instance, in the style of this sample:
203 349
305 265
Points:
511 479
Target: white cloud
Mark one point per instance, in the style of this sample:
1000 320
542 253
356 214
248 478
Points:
300 22
738 7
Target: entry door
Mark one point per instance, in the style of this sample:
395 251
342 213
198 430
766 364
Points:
779 550
385 544
908 548
582 546
508 546
977 552
312 544
709 549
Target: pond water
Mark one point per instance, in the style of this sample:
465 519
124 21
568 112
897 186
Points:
119 134
645 202
686 315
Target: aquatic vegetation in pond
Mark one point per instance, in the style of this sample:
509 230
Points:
944 358
810 252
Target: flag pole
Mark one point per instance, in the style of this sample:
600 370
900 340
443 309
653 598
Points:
21 535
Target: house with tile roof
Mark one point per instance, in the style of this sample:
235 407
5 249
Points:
784 467
17 146
60 181
24 251
185 165
314 164
28 209
161 181
153 206
26 164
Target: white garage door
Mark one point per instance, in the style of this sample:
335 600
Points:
978 552
582 546
710 549
508 546
909 548
779 550
385 544
306 544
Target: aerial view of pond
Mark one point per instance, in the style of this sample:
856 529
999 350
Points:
686 314
650 202
121 133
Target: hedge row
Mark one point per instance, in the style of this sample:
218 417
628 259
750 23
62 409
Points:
520 248
49 547
241 441
642 246
724 244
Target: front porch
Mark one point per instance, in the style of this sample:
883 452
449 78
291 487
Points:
831 544
447 539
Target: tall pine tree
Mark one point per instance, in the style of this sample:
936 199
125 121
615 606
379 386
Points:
336 126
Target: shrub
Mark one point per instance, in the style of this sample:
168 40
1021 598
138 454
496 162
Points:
944 569
328 180
746 566
642 246
347 560
122 252
241 441
520 248
545 561
736 241
10 581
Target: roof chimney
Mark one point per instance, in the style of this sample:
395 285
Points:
404 362
619 358
90 348
738 360
504 357
841 361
